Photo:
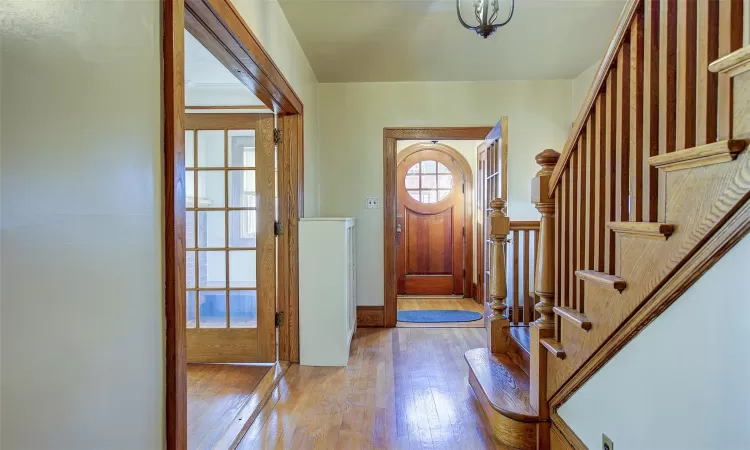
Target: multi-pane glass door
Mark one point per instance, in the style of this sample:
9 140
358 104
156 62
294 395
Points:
230 259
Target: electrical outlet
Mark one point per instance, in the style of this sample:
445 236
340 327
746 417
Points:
607 443
372 203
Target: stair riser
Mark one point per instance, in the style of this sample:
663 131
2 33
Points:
518 355
521 435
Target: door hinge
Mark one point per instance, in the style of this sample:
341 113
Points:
278 228
277 135
463 188
279 319
464 272
463 231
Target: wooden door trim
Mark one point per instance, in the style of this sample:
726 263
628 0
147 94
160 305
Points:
221 29
468 198
390 136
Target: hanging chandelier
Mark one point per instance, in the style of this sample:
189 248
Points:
485 12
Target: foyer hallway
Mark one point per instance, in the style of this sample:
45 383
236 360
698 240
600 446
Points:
404 388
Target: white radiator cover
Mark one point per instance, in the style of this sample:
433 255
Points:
327 290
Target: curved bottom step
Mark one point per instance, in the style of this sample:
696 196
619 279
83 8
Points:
502 389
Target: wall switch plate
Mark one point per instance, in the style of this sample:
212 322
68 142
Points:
372 203
607 443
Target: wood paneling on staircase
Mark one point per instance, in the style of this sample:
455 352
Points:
694 193
651 189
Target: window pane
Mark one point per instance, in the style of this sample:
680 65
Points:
190 269
412 182
429 196
243 226
241 188
243 309
429 167
445 181
213 309
414 168
189 189
210 148
211 229
190 229
443 194
212 269
442 168
242 148
242 268
190 308
211 189
189 148
414 195
429 181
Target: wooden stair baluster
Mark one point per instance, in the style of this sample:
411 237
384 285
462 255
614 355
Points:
544 284
499 229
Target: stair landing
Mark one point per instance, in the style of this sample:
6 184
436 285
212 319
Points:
502 389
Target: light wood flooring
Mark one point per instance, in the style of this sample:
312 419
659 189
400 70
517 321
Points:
216 395
430 302
404 388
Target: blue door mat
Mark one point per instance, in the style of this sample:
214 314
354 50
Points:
438 316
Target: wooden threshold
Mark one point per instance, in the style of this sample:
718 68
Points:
648 230
602 279
234 433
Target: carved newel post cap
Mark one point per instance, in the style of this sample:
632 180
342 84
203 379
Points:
498 204
548 157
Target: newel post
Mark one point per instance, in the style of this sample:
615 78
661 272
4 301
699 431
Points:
544 281
498 289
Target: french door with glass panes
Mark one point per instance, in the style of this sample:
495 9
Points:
231 249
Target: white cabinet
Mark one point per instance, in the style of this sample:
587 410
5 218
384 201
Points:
327 290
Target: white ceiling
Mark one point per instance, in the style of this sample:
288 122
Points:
208 82
421 40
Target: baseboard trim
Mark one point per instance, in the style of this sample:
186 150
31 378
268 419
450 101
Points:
567 433
370 316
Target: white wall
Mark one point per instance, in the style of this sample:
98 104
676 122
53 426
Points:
682 382
581 85
467 149
268 23
352 118
82 293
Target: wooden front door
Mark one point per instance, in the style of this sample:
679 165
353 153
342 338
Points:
431 219
231 248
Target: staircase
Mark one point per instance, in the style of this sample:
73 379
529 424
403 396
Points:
651 189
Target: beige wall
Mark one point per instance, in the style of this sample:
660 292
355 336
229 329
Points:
581 85
467 149
682 382
352 118
82 266
268 23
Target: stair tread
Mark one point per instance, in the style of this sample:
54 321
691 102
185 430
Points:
503 383
554 347
521 335
702 155
643 229
602 279
574 317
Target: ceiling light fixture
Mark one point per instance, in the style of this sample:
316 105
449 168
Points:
485 12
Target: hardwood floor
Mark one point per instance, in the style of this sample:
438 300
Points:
216 395
404 388
430 302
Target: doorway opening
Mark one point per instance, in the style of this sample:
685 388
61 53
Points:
429 212
233 182
435 254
